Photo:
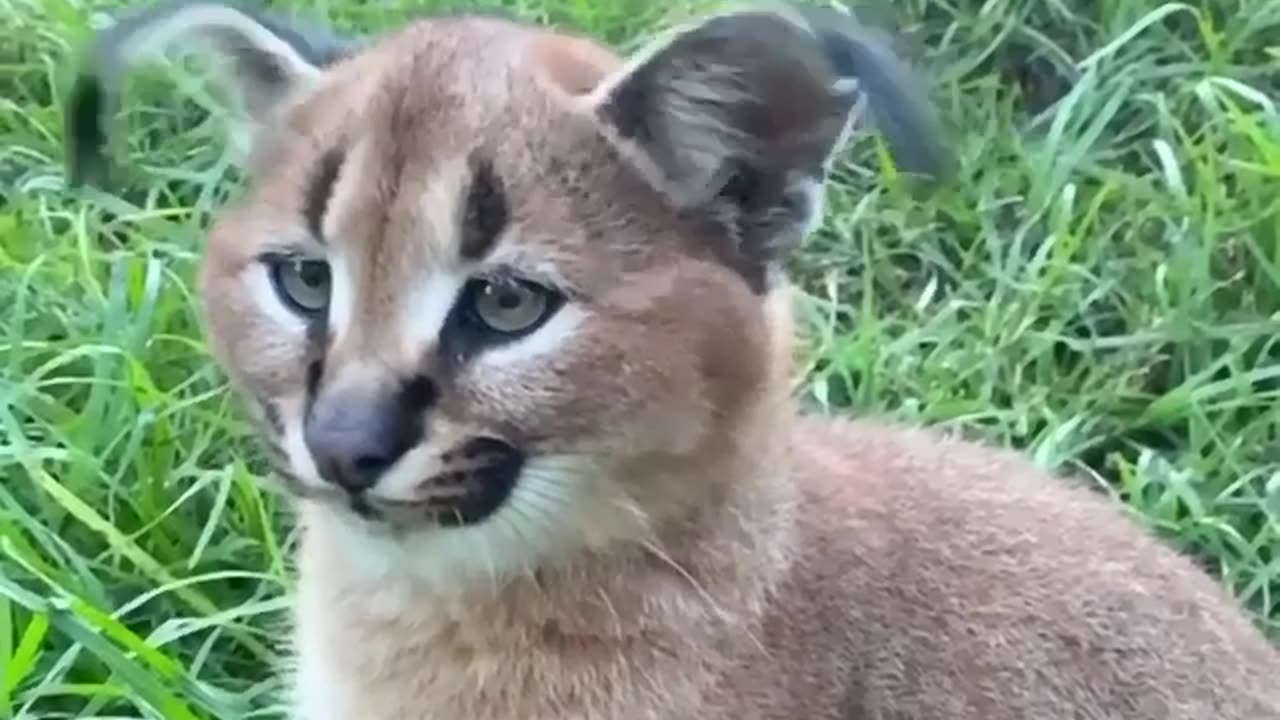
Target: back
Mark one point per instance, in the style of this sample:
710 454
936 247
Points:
948 580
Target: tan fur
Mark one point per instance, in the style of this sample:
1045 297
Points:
699 550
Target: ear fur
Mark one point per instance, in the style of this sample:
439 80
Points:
741 114
266 59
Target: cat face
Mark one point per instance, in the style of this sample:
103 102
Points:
488 282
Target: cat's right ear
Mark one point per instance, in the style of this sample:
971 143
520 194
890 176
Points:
265 60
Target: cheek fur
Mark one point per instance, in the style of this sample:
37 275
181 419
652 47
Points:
594 389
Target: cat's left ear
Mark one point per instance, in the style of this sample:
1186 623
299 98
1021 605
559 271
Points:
266 61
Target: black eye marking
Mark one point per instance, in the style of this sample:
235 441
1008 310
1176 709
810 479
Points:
320 189
485 211
314 373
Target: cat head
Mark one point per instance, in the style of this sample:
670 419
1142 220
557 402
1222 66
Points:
492 285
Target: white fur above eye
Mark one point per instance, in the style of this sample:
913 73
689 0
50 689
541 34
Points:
427 307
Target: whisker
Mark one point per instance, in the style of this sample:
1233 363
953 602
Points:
633 509
652 546
613 611
548 487
656 550
487 552
518 521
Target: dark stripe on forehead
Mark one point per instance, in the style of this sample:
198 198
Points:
485 212
319 190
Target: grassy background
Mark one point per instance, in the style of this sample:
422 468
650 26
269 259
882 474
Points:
1100 286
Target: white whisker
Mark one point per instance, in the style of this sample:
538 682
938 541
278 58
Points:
613 611
633 509
487 552
652 546
526 530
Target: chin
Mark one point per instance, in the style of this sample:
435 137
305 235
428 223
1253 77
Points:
536 511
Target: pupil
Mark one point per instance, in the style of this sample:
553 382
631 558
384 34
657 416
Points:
312 274
509 300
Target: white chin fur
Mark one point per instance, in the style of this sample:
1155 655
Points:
558 504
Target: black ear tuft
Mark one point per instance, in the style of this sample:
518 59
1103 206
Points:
267 57
85 135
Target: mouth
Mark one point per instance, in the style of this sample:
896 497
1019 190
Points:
478 478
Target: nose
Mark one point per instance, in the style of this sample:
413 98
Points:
356 435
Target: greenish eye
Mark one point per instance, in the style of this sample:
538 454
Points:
302 284
510 307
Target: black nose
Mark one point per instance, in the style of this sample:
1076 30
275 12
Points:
355 435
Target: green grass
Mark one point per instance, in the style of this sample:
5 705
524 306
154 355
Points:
1099 285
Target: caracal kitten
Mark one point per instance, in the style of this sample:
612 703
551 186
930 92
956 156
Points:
509 311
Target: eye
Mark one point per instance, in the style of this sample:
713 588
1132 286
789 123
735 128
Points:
510 306
301 283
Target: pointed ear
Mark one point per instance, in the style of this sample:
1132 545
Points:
264 60
742 113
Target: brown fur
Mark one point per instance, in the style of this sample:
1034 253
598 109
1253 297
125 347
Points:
701 551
